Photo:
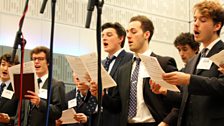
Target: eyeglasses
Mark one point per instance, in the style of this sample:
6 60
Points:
38 58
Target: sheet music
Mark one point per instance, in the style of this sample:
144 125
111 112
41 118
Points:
107 80
78 67
155 71
27 68
90 61
218 58
68 116
87 65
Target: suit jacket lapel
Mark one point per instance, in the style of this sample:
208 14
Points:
117 63
45 84
191 67
10 87
215 49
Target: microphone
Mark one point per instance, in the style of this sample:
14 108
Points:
43 6
90 8
17 42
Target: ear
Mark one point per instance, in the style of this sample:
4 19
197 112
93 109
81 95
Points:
121 39
147 35
217 26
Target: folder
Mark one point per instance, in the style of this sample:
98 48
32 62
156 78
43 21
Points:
28 84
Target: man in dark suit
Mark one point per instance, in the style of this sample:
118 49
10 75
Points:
150 109
113 36
34 109
203 84
8 106
85 103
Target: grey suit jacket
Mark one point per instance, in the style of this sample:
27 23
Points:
202 101
38 114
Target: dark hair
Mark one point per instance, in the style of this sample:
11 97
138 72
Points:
40 49
187 39
146 24
212 9
118 28
7 58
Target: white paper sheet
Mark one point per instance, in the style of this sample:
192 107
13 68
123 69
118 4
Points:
155 71
87 65
218 58
68 116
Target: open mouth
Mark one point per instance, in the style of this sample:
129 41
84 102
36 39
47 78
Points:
196 32
37 67
105 44
4 73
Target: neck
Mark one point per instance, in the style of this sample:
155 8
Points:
208 42
111 53
144 48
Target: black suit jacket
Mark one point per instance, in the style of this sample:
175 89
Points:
155 103
82 108
111 117
202 101
9 106
38 114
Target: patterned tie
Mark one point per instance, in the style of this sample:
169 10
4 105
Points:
79 99
2 88
108 61
203 52
91 104
133 90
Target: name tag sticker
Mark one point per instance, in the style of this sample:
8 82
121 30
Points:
204 64
7 94
43 93
72 103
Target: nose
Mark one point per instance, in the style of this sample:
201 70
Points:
181 53
196 23
128 35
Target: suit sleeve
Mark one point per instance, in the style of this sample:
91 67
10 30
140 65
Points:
169 66
209 86
57 101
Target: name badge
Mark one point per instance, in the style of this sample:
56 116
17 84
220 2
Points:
72 103
204 64
43 93
7 94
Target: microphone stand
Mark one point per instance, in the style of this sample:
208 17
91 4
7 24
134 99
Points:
19 40
50 67
99 6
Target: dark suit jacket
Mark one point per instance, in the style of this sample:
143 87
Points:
9 106
38 114
82 108
111 117
155 103
202 101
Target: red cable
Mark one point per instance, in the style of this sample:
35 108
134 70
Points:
21 71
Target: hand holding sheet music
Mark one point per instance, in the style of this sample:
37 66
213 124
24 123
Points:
29 78
155 71
85 67
68 116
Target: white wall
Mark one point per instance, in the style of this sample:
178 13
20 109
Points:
170 17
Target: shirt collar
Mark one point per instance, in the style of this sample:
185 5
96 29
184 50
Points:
44 78
118 52
146 53
6 83
209 47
